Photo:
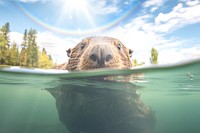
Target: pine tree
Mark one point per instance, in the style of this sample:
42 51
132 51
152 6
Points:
23 53
3 41
154 56
45 60
22 57
25 40
30 50
5 31
29 56
4 44
14 55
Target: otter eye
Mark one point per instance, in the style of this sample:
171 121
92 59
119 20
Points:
130 52
119 46
82 45
68 52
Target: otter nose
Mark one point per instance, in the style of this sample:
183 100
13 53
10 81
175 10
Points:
100 54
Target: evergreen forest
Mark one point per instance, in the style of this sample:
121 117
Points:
27 54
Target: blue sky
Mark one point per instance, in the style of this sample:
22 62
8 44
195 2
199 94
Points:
171 26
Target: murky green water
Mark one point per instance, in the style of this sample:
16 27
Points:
38 101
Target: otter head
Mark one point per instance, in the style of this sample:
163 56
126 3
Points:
99 52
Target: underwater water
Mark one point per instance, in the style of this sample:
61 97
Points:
165 99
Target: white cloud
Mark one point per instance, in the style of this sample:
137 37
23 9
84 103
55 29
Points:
178 17
191 53
192 2
154 9
142 42
171 55
174 55
149 3
100 7
153 4
54 45
141 34
16 37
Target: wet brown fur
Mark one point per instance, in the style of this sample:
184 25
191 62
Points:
79 58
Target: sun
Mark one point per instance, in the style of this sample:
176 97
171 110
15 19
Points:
75 10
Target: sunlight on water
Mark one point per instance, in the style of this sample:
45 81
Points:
163 98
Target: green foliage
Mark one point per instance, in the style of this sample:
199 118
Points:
25 38
3 41
44 60
14 55
154 56
29 56
32 49
5 30
4 44
135 63
23 57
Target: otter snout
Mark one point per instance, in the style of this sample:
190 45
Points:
100 55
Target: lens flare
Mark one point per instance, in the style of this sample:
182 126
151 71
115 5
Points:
77 14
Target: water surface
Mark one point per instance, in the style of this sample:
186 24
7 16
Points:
28 104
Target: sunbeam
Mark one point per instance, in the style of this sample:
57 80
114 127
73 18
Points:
76 13
78 17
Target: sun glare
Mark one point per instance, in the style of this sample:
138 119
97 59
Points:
74 4
75 9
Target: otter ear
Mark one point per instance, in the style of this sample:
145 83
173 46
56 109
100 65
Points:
130 52
68 52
